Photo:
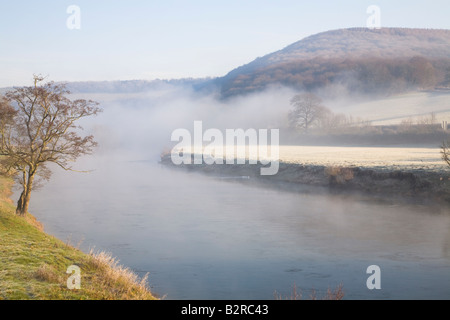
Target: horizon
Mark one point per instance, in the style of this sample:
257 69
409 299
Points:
187 78
123 41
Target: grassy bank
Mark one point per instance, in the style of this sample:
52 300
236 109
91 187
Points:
33 264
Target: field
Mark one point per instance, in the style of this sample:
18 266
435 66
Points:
395 109
373 157
389 158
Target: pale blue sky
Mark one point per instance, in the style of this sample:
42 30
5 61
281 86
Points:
137 39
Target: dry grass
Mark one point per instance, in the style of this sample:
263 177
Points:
336 294
34 222
124 281
296 294
341 174
48 273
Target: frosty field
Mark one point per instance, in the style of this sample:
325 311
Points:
392 158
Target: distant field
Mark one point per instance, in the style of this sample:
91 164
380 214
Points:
393 110
377 157
391 158
381 111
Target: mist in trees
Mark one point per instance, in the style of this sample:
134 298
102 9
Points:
38 126
307 112
368 75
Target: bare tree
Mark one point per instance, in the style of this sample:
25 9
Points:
38 129
445 152
307 111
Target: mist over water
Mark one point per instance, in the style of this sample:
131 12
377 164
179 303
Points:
200 237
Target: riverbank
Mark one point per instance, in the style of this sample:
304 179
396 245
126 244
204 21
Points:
413 183
33 264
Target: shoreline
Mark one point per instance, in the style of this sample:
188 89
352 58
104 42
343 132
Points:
415 184
34 264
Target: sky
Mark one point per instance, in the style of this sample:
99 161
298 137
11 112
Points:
145 39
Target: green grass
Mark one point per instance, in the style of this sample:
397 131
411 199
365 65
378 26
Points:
33 264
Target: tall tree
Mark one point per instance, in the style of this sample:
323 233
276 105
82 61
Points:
38 127
307 111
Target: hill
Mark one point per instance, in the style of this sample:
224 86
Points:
389 60
357 60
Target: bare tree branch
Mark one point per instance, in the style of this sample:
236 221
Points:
37 126
307 111
445 152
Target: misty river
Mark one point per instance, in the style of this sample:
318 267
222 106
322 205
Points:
201 237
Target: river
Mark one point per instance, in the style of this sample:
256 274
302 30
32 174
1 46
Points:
201 237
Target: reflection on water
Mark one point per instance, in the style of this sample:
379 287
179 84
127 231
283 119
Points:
205 238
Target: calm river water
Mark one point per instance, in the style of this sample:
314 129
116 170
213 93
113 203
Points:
201 237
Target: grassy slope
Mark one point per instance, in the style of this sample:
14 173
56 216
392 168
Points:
33 264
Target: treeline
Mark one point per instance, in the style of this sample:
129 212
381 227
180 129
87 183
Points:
335 124
378 137
310 122
131 86
347 130
364 75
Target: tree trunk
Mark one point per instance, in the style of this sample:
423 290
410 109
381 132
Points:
20 205
24 199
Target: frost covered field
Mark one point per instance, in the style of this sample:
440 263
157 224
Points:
394 109
374 157
389 158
